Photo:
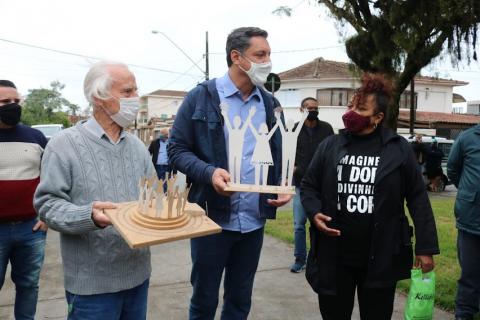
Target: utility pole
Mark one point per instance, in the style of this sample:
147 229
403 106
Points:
412 106
207 68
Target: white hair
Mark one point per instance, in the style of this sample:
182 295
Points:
98 81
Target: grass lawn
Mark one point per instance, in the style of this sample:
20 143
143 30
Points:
447 268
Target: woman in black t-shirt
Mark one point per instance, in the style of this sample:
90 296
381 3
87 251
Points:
354 193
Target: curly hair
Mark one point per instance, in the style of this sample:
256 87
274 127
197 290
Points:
377 85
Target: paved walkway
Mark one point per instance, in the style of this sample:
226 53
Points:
278 293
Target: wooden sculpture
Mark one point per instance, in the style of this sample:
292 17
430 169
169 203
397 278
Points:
158 217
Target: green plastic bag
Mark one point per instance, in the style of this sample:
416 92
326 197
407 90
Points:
421 296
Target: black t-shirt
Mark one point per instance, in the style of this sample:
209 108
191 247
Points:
356 177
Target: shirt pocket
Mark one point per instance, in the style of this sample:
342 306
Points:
211 119
466 208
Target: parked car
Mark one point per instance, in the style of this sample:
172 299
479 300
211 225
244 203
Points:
48 129
444 145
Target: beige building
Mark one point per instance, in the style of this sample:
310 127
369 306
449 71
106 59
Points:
161 104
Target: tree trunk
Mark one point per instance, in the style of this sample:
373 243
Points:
392 112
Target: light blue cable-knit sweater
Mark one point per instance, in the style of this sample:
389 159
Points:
79 168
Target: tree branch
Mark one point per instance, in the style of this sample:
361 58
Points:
341 13
418 58
365 10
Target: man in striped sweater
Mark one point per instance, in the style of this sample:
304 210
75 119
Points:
22 236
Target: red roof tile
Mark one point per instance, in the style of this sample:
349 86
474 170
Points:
168 93
426 117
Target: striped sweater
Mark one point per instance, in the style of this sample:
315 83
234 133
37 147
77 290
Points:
21 149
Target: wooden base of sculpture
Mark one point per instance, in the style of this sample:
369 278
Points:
237 187
140 230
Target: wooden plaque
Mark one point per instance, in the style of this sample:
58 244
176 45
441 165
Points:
142 230
260 188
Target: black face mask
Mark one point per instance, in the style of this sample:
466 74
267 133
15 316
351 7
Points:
312 115
10 114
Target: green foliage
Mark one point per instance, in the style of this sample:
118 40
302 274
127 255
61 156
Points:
447 268
43 106
400 37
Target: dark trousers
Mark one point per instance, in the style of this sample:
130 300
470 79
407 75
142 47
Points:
236 253
468 288
374 303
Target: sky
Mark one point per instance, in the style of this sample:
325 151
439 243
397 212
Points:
122 31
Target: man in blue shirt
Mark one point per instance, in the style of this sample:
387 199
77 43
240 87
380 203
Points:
199 148
158 150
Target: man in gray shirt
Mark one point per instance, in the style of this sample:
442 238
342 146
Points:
85 170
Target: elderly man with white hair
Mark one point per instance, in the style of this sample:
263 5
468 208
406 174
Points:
86 169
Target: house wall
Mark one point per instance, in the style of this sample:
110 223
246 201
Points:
434 98
473 107
430 97
158 106
330 114
292 92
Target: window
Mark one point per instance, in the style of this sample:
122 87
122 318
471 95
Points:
334 97
405 100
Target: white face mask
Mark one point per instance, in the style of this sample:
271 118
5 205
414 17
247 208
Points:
258 72
128 111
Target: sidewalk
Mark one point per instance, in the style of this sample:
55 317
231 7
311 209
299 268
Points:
278 293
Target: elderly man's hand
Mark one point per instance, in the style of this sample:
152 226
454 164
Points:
98 214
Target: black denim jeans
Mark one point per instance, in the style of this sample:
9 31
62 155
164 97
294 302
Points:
468 288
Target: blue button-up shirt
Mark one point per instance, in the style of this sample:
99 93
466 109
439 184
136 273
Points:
162 152
245 215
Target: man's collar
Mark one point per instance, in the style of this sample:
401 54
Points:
95 128
229 88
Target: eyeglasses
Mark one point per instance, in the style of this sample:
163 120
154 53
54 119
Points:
8 101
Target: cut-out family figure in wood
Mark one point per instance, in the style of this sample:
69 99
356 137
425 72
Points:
289 142
236 134
159 196
172 190
262 155
142 195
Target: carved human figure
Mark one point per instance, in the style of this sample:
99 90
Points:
142 185
289 146
159 195
236 135
262 155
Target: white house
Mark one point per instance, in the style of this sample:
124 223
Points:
473 107
332 83
161 104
